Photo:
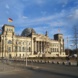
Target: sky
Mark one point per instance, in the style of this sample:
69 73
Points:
41 15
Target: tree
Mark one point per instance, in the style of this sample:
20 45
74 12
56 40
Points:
75 40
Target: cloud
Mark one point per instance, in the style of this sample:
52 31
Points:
24 17
40 2
51 20
47 18
7 6
57 23
62 1
73 17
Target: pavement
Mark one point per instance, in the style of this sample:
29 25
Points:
5 67
52 70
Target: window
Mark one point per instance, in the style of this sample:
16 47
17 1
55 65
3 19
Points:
53 49
19 49
29 49
57 49
9 49
20 55
23 49
23 55
15 48
9 42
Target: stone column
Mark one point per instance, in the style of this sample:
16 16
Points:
3 47
35 46
32 45
41 46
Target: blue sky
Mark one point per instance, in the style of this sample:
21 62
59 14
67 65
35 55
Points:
41 15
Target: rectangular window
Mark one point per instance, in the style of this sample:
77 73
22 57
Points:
9 49
19 49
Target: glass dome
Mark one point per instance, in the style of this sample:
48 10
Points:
27 32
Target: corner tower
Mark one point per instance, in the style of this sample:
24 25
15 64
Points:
59 37
8 30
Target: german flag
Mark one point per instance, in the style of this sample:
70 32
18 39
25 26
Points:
10 20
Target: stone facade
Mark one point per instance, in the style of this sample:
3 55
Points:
37 45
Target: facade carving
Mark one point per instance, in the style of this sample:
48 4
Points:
36 45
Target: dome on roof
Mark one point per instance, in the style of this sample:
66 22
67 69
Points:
27 32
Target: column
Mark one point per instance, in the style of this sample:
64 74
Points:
32 46
35 46
41 46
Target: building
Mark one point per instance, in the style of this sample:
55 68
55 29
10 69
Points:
29 44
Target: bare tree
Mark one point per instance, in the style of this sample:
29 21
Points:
75 40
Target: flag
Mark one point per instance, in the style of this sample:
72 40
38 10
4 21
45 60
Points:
10 20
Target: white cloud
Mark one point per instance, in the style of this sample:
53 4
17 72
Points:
15 8
50 20
76 14
62 1
39 1
57 23
73 17
24 17
7 6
